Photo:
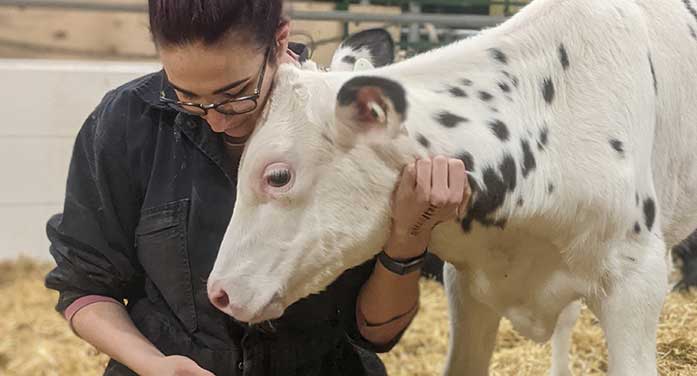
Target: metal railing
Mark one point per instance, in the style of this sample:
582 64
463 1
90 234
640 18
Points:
76 5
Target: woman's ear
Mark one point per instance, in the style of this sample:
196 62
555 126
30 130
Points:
282 36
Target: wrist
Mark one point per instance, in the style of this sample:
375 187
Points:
403 245
401 266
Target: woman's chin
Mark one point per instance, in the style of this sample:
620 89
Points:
239 131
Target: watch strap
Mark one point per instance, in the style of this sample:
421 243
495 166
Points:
401 267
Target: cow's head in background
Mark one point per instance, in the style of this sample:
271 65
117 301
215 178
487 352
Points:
317 162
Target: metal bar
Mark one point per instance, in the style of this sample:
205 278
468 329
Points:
464 21
76 5
414 8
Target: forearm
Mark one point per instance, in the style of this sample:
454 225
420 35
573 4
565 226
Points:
425 196
107 327
388 301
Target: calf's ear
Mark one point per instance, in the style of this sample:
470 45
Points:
376 46
369 106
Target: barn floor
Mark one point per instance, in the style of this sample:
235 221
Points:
36 341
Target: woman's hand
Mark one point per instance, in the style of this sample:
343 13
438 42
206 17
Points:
176 365
429 192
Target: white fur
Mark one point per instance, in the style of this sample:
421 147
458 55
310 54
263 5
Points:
575 243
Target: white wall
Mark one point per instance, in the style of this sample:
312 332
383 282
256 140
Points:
43 103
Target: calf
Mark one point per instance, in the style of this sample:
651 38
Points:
685 256
577 123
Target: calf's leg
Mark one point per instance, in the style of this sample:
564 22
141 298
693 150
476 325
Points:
561 339
473 328
629 309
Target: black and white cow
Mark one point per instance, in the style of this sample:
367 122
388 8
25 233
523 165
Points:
577 122
685 257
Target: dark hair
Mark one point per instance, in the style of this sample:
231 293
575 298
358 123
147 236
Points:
180 22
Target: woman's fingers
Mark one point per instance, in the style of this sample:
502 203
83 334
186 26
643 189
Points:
408 181
457 179
423 181
439 182
431 191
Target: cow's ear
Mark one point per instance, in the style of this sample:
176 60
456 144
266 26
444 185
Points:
369 106
376 46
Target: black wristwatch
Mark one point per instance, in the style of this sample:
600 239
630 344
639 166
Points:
401 267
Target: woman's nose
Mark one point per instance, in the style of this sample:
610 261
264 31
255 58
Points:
216 121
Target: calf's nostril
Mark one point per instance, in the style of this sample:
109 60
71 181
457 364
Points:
220 299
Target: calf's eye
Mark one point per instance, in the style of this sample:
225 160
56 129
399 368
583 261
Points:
278 178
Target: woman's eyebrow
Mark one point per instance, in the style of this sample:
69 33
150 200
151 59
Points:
218 91
177 88
231 86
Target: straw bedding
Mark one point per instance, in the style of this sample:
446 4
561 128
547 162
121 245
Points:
36 341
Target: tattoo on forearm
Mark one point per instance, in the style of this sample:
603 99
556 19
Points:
425 216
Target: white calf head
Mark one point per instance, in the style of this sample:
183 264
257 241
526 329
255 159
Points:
314 190
314 186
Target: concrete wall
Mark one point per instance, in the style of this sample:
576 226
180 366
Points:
42 106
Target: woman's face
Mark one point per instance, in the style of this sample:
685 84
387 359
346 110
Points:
211 74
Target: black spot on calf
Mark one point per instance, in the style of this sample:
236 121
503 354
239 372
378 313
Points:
520 201
500 130
391 89
550 188
508 172
349 59
423 140
693 32
457 92
467 159
690 8
618 146
649 212
514 79
492 197
485 96
637 228
326 138
504 87
563 57
499 55
529 163
548 90
450 120
653 74
466 82
542 142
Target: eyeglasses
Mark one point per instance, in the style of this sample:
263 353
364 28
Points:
232 106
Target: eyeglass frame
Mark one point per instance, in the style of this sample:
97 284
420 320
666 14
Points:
178 105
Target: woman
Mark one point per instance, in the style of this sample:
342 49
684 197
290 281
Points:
151 189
